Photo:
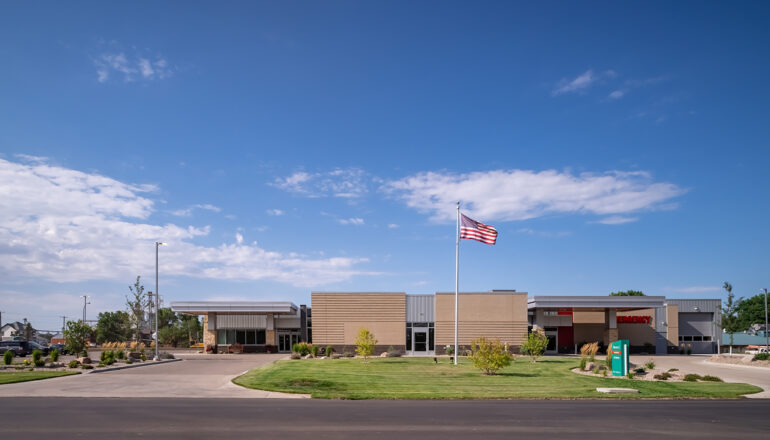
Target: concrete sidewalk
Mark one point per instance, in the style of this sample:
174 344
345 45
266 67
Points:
699 364
196 378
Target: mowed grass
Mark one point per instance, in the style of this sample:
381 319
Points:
25 376
421 378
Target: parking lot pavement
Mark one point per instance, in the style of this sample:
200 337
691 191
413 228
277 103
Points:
699 364
194 377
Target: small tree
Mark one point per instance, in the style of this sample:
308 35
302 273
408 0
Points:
76 336
730 322
489 355
365 343
535 344
137 302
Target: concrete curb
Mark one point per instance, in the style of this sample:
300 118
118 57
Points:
135 365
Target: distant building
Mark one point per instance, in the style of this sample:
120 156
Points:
17 331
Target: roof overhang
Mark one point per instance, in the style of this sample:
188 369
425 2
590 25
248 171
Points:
596 302
234 307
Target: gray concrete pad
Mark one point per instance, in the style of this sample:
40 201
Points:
196 377
699 364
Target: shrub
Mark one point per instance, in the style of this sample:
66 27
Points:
489 355
347 354
303 348
589 351
393 353
8 357
36 356
640 370
761 357
39 363
650 365
449 349
662 376
608 360
329 350
166 355
103 356
129 361
670 370
87 367
583 362
54 355
691 378
121 354
604 373
689 351
27 362
76 336
711 379
630 375
296 355
314 350
142 357
365 343
535 344
73 364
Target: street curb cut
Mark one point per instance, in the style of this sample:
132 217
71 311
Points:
143 364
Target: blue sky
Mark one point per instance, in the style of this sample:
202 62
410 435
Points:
297 146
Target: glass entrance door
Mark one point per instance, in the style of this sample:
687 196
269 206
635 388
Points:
553 340
286 341
420 340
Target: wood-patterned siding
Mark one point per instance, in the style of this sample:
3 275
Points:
337 317
492 315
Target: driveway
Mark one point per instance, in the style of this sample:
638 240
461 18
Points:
699 364
195 376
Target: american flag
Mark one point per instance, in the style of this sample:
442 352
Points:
473 230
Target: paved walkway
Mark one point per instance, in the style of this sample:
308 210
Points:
699 364
200 377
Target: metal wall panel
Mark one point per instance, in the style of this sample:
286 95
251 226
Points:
420 308
241 321
697 305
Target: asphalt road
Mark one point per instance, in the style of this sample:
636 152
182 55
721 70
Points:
72 418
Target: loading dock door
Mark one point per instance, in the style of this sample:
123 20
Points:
696 330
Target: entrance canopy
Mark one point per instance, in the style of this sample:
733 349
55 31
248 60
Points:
596 302
234 307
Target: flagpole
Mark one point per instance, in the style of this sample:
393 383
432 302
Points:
457 276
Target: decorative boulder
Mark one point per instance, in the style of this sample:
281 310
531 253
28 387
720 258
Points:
384 354
84 360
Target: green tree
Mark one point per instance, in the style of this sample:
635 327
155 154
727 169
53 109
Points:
535 344
113 327
489 355
172 335
137 303
730 322
365 343
627 293
167 317
76 336
751 311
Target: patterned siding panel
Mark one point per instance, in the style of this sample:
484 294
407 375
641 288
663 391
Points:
419 308
241 321
502 316
337 316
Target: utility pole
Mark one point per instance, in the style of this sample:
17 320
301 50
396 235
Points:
63 323
85 303
766 329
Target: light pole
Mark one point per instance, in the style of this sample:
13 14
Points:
85 303
157 299
766 329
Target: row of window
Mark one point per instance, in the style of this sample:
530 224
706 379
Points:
243 337
694 338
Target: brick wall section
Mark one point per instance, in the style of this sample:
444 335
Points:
492 315
337 318
209 336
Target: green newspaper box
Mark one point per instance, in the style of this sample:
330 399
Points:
619 352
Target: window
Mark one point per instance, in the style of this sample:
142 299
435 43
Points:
707 339
251 337
697 338
687 338
408 337
221 337
261 337
430 338
240 336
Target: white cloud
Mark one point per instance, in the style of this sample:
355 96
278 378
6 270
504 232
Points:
187 212
392 226
350 183
356 221
275 212
238 238
616 220
617 94
131 67
508 195
582 82
63 225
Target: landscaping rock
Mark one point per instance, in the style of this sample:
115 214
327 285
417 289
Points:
84 360
590 366
384 354
617 390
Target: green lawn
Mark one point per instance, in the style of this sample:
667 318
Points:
24 376
421 378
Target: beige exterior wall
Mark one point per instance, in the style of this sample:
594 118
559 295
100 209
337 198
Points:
337 317
638 333
493 315
209 336
587 333
672 324
588 316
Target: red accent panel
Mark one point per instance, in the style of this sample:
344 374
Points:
566 337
